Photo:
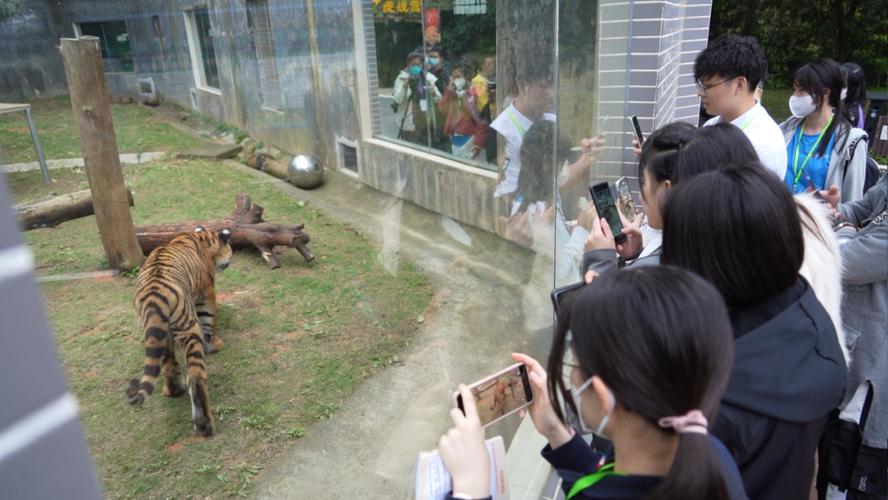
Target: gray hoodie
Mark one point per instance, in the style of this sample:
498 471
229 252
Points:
849 181
865 301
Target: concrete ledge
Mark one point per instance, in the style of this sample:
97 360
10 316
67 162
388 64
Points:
125 159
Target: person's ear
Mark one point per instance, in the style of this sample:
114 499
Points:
740 85
603 395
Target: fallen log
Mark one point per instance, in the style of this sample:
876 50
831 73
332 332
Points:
248 230
50 212
268 165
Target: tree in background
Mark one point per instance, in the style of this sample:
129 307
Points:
794 32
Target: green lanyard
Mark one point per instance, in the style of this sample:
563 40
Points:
591 480
515 122
796 170
748 123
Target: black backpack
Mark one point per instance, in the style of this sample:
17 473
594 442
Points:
872 168
845 463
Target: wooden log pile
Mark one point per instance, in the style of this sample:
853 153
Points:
248 230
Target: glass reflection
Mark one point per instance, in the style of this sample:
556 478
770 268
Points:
440 60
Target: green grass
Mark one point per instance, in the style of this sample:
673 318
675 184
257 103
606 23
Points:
138 129
299 339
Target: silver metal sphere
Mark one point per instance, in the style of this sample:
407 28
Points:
305 171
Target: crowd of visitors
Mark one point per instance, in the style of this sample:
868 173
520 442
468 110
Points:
726 344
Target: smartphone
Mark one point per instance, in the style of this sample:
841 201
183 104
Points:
561 297
500 394
627 205
638 135
607 209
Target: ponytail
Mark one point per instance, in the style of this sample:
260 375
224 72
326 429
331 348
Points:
695 473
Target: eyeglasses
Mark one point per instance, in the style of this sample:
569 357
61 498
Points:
704 88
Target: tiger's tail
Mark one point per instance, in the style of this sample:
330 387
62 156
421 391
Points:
157 330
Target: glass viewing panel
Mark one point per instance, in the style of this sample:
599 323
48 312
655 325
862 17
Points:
436 71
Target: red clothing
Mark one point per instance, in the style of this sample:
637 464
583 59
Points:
463 121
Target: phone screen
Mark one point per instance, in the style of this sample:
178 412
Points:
607 208
500 394
627 205
637 126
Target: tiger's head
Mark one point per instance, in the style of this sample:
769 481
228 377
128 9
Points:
217 245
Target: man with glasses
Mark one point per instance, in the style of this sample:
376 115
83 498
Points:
727 73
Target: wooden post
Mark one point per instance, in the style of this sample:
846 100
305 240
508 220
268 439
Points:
92 115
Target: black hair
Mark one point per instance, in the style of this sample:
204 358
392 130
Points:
817 77
855 82
540 156
660 150
731 56
437 48
414 55
711 148
739 228
667 358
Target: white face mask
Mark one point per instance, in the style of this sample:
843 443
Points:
801 106
844 94
576 394
459 83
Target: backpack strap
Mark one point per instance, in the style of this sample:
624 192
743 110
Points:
857 438
851 155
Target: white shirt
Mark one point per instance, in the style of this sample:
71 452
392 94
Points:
512 125
568 245
765 136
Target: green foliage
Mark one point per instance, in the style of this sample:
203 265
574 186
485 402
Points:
793 33
10 8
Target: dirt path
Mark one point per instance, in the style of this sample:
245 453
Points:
475 320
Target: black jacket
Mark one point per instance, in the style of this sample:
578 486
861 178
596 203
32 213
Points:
788 374
575 459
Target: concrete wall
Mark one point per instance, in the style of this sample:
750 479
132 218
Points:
30 65
325 60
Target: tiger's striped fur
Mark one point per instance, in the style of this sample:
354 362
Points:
176 302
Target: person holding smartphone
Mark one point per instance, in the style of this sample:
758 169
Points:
655 167
649 379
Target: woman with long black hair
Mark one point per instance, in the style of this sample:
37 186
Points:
823 148
740 229
648 378
855 94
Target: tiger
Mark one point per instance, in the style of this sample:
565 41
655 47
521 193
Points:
176 303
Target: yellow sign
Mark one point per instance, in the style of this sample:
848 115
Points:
398 6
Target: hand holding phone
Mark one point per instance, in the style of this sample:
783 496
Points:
637 128
498 395
463 451
607 209
543 416
627 204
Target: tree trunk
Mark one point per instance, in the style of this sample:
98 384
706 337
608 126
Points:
91 106
248 230
52 211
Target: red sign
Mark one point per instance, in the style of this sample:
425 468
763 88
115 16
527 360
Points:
432 20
